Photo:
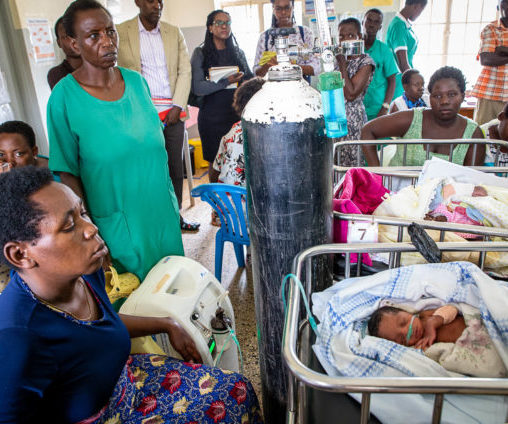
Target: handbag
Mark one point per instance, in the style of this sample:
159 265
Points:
119 286
195 100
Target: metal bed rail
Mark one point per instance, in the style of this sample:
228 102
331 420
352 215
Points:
301 375
405 172
485 232
426 142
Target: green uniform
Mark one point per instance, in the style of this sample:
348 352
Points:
117 149
385 67
400 36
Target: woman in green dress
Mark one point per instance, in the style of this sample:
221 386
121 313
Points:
447 88
106 142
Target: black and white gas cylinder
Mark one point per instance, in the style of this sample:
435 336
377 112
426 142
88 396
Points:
288 162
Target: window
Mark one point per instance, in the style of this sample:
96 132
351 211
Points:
249 19
448 32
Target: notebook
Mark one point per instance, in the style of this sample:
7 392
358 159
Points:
218 72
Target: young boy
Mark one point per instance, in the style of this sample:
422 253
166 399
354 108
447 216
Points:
413 96
419 330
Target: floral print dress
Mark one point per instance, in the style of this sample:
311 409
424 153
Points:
230 161
355 113
157 389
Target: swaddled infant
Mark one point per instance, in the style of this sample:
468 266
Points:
420 330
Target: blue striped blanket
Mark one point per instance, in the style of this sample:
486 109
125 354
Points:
344 346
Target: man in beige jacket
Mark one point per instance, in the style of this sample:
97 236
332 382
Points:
158 51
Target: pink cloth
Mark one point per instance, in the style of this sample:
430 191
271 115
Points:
361 192
458 216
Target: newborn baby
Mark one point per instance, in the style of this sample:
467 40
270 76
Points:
419 330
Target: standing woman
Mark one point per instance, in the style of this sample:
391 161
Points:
216 115
283 16
106 142
357 71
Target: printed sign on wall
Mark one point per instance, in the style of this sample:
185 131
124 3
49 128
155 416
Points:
41 39
309 7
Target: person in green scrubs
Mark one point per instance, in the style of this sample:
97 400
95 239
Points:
401 38
106 142
380 92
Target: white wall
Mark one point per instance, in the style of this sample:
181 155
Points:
190 13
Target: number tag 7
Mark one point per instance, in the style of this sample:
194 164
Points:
362 232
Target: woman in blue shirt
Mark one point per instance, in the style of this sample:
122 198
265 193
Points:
65 352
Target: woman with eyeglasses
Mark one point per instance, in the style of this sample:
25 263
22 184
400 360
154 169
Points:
283 16
216 114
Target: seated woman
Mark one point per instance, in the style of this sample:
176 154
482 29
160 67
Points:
413 96
18 147
420 331
447 88
357 71
68 357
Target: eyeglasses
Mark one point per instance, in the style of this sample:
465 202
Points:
221 23
283 9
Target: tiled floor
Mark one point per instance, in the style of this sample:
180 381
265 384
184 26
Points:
200 246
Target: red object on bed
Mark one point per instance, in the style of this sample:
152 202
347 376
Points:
361 192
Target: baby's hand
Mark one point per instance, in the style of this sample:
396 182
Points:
429 332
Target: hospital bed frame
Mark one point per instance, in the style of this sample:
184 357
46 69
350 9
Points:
486 233
413 172
297 352
406 142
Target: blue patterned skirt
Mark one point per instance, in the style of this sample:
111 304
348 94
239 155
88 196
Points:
155 389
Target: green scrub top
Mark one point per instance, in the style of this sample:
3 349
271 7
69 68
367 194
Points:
401 34
117 149
385 67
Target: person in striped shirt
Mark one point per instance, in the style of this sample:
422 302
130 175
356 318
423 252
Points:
490 88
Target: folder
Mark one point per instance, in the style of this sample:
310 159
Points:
216 73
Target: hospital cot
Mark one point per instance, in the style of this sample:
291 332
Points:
315 397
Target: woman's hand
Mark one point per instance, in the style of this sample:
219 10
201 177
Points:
182 342
342 62
236 77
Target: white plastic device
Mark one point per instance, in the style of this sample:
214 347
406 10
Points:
185 290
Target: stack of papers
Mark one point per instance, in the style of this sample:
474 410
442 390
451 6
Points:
216 73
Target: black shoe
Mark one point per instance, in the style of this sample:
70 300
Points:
191 227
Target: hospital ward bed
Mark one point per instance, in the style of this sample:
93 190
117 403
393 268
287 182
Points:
316 396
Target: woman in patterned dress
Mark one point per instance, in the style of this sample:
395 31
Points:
357 72
68 358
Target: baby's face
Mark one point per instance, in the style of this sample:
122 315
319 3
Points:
395 327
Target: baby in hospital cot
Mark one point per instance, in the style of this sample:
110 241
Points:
417 330
459 343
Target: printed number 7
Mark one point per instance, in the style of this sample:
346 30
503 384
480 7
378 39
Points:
363 231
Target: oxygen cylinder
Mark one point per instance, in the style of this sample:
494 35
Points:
288 162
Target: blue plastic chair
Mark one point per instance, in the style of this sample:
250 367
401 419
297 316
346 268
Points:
229 203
